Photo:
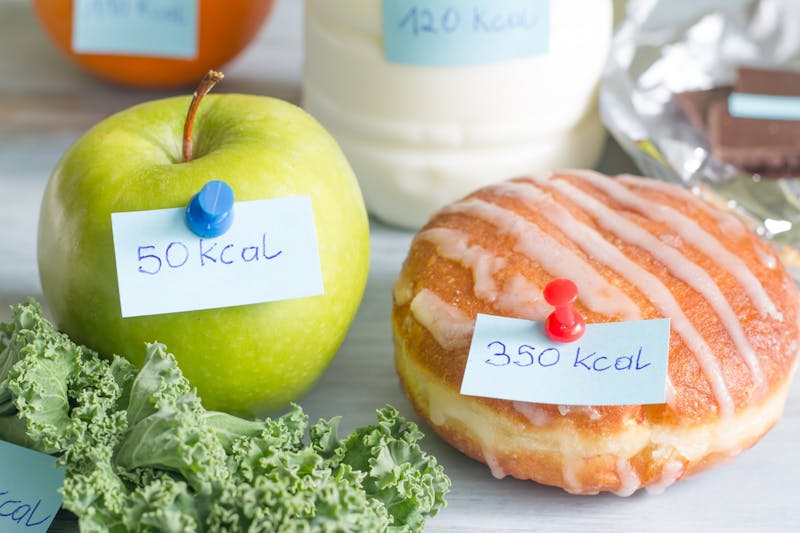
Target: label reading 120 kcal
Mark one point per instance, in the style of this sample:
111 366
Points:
464 32
615 363
269 253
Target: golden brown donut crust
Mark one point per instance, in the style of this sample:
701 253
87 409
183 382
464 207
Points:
421 357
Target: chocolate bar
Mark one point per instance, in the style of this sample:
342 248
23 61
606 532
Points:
766 147
767 81
696 104
769 147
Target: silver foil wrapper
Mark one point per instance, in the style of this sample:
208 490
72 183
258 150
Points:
664 47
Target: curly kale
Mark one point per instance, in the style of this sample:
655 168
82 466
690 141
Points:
141 453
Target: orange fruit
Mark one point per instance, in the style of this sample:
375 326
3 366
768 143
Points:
225 28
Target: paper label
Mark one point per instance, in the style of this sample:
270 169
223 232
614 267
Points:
29 483
764 106
617 363
269 253
158 28
468 32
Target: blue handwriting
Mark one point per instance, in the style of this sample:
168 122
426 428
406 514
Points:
153 259
17 510
446 20
171 13
528 356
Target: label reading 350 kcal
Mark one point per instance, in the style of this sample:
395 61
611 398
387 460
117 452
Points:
270 253
615 363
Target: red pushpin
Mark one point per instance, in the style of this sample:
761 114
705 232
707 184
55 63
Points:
563 324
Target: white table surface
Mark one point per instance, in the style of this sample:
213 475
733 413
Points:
45 104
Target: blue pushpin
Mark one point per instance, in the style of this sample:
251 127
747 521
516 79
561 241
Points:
210 211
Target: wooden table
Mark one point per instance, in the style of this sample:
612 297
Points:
46 104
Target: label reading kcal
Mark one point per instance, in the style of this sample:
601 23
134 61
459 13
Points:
467 32
157 28
616 363
29 484
269 253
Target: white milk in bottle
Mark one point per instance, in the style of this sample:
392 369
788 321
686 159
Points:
431 99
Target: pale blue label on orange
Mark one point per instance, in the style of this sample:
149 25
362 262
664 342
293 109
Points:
680 12
615 363
269 253
464 32
149 28
29 489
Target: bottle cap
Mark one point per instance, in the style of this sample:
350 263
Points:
563 324
210 211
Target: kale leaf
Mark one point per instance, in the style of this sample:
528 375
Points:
141 453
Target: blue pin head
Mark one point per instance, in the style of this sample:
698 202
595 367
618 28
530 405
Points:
210 211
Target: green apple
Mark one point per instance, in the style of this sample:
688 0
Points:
250 359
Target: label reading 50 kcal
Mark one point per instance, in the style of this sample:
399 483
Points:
269 253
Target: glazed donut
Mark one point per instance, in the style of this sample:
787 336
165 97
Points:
637 249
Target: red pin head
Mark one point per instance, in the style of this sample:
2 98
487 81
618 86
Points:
563 324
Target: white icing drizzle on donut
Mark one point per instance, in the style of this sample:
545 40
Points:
628 478
691 232
448 324
649 284
436 414
494 465
519 297
454 245
403 289
587 410
681 267
669 392
729 223
452 328
765 257
595 291
601 250
533 413
670 473
569 466
522 298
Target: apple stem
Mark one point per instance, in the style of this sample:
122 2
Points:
208 81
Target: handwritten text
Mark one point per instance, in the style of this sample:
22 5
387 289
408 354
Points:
169 12
475 19
613 363
528 356
467 32
177 254
149 28
16 509
268 254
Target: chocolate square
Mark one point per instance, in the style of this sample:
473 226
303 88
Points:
763 146
768 147
767 81
696 104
